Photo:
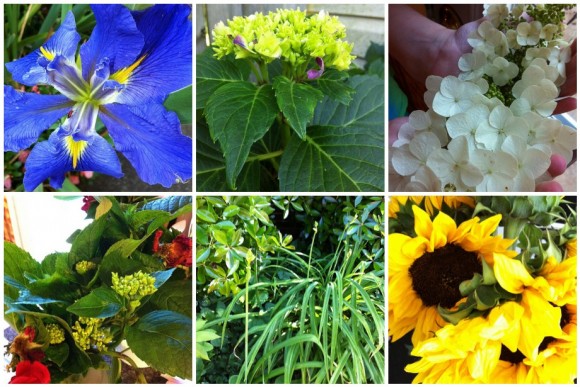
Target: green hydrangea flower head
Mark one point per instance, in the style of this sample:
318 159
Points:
134 286
287 34
55 333
84 267
87 333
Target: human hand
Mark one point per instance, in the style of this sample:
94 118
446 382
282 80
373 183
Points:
568 89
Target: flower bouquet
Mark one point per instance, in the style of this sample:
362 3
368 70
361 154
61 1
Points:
489 129
486 285
126 278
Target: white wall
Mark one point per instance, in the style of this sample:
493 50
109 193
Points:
42 223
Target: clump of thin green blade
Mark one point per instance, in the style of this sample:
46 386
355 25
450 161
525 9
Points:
328 325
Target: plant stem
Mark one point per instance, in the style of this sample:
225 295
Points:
255 71
264 71
265 156
246 340
285 128
140 377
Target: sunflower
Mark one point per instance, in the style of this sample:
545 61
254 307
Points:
542 298
425 271
474 351
555 363
464 353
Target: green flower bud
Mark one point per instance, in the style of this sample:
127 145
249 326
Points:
84 267
56 333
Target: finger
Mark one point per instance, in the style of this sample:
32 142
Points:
569 86
394 126
549 186
565 105
557 165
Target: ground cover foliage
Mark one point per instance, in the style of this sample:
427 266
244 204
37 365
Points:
290 290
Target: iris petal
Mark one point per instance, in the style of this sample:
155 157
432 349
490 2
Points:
64 41
150 137
168 55
65 77
27 115
115 37
55 157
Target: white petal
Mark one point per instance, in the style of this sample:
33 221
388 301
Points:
423 145
403 161
441 163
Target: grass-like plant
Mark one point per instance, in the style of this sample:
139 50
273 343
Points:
328 324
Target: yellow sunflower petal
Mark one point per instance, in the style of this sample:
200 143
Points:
423 223
443 228
511 273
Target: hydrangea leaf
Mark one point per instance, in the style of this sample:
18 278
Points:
332 83
100 303
170 333
212 73
344 150
239 114
211 166
297 102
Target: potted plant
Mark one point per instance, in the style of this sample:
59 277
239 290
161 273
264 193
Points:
126 278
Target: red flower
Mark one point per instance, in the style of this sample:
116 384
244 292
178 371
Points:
87 200
28 372
177 253
156 238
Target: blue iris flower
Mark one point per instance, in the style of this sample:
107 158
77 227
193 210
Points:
128 66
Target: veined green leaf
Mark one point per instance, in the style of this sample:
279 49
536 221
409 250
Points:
101 303
211 166
163 339
332 83
239 114
211 73
297 102
344 149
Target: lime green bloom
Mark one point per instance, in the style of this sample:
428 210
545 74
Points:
287 34
87 333
55 333
84 267
134 286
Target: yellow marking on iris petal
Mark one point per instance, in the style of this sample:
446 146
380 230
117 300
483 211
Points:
47 54
75 149
122 76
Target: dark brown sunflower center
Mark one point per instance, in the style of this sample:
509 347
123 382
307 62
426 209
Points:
436 276
517 357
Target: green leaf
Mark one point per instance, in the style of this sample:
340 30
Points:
297 102
180 102
57 353
206 215
211 166
161 277
238 115
17 262
86 244
332 83
345 150
377 67
174 296
169 204
169 333
101 303
211 73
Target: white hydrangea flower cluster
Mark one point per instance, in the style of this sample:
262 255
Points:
489 129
